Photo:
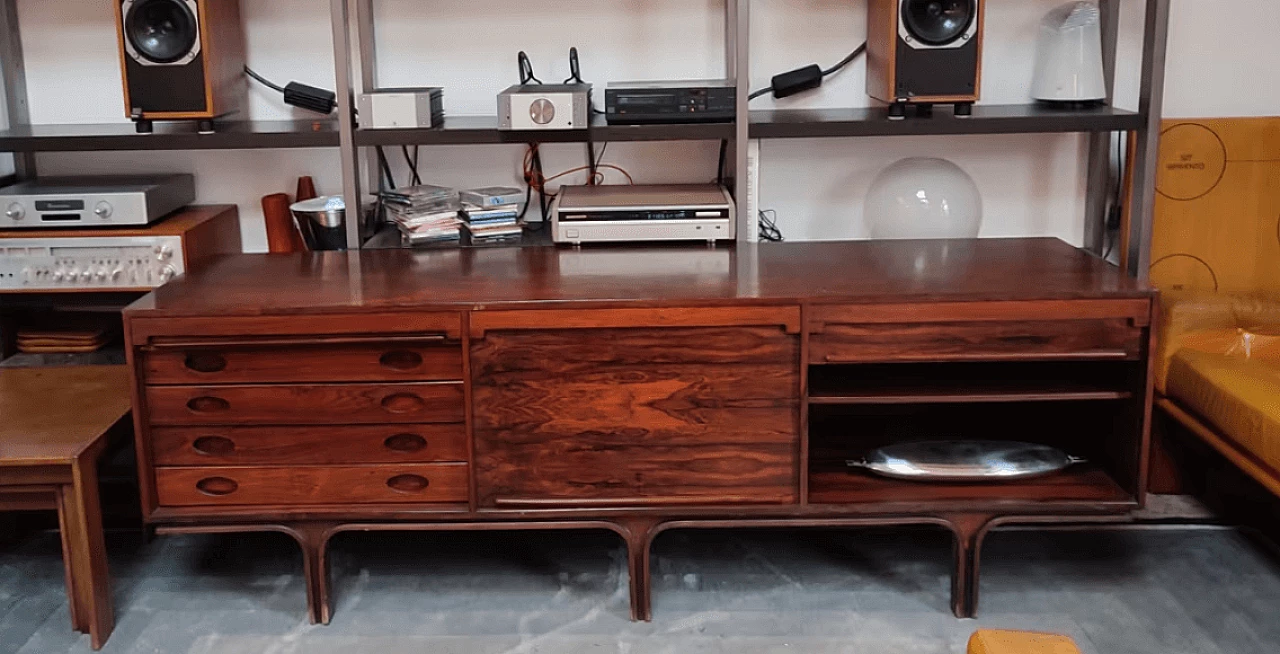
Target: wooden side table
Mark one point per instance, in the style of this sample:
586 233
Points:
53 428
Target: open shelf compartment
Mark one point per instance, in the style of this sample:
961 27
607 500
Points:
1092 429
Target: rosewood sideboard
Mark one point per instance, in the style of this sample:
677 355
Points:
635 390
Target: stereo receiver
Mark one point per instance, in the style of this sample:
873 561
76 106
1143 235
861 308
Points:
691 101
600 214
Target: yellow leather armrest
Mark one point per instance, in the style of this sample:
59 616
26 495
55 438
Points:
999 641
1190 318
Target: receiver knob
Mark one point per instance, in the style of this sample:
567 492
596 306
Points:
57 275
15 211
86 275
103 209
542 111
115 274
166 274
164 253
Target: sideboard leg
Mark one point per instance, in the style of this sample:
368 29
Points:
969 530
639 534
313 538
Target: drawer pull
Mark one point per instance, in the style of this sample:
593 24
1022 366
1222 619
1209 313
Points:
408 483
208 404
403 403
217 486
205 362
406 443
403 360
214 445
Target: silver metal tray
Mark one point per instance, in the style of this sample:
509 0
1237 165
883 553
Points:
971 461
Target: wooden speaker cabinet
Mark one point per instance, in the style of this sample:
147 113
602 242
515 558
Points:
181 60
924 52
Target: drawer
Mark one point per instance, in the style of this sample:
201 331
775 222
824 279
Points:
262 486
314 404
326 360
1114 339
239 446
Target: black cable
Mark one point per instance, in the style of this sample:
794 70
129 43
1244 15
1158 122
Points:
386 168
825 73
769 226
575 72
412 162
526 69
846 61
262 80
724 154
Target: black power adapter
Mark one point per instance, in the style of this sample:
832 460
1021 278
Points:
797 81
310 98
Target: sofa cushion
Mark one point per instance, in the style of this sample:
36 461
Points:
1211 322
1240 397
1001 641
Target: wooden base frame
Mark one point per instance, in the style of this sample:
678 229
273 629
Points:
968 530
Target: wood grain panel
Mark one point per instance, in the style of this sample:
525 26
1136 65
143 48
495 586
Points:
299 485
147 330
321 445
787 318
975 341
305 404
636 416
528 351
246 363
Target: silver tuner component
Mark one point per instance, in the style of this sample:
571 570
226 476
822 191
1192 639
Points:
15 212
103 209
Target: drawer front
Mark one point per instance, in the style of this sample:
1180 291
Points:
241 446
306 404
622 417
380 484
392 360
976 341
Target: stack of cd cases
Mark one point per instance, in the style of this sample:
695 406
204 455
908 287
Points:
424 213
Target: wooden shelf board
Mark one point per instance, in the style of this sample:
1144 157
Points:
986 119
471 130
172 135
962 393
832 483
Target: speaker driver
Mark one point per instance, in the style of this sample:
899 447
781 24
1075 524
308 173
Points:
937 22
161 31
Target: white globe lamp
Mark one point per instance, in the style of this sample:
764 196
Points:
923 197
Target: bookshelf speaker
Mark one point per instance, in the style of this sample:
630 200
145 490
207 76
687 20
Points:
924 52
181 60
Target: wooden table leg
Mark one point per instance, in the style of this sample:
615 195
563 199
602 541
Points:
969 531
313 539
639 534
88 579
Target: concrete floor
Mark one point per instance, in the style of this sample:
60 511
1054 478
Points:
745 592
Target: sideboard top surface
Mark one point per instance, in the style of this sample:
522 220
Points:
768 273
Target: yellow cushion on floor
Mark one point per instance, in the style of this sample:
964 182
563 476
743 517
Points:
1000 641
1239 397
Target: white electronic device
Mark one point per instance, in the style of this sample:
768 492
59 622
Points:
604 214
545 106
407 108
110 201
1069 56
106 262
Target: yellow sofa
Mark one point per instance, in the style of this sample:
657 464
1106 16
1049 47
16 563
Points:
1000 641
1218 373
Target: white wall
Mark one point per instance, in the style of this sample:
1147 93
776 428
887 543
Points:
1032 184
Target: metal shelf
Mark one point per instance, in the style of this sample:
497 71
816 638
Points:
471 130
986 119
243 135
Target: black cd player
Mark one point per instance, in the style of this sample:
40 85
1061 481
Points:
685 101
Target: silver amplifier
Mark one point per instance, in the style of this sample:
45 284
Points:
101 201
106 262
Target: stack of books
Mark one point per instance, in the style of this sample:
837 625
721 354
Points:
488 224
424 213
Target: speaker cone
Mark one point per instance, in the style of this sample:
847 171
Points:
162 31
937 22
